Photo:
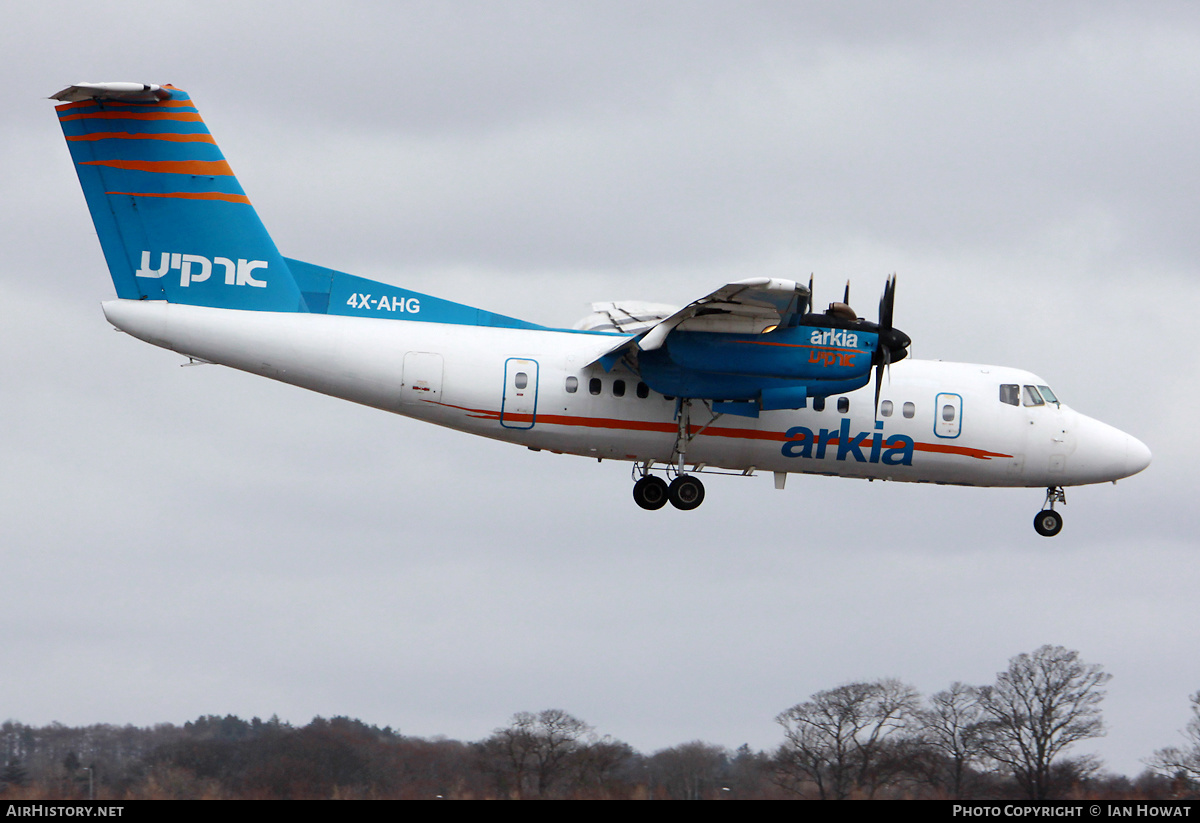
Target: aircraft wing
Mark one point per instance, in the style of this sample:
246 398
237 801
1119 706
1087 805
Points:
744 307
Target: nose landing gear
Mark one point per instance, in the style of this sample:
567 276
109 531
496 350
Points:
1049 522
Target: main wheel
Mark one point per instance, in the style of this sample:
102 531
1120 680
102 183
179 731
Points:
686 492
1048 523
650 492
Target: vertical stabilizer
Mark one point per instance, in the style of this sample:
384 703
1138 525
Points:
172 219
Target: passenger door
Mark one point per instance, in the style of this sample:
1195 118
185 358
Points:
518 405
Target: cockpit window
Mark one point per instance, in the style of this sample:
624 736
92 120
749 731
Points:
1049 395
1010 393
1032 397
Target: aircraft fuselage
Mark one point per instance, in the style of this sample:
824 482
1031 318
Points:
939 422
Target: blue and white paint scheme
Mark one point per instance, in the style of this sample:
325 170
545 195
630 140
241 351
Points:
746 379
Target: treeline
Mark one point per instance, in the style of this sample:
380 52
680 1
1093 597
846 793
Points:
1011 739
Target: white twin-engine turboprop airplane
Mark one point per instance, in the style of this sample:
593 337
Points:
746 379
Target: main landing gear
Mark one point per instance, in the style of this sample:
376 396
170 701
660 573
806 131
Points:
1049 522
651 492
686 492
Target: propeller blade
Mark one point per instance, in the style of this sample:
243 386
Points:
885 362
887 303
846 295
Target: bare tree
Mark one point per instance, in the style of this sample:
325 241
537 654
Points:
1182 763
536 749
839 741
1040 706
689 771
604 768
950 729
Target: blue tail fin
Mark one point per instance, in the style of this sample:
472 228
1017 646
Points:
172 219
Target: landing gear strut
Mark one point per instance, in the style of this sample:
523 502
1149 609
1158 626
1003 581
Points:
1049 522
686 492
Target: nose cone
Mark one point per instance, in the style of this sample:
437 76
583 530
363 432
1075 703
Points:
1105 453
1137 455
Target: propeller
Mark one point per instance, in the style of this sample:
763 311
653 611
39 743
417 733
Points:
893 343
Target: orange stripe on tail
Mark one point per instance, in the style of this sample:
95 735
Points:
124 135
207 168
190 195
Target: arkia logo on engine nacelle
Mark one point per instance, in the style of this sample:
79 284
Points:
834 337
195 268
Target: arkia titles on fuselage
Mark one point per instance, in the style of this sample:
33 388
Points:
747 378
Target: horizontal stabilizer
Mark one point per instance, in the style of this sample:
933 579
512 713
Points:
128 92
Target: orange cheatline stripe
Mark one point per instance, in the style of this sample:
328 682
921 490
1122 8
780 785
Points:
124 135
715 431
190 195
208 168
945 448
187 116
799 346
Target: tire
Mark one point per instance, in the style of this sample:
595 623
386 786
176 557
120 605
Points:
686 492
650 492
1048 523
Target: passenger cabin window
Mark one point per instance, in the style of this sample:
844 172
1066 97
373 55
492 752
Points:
885 408
643 391
594 385
1032 398
572 384
843 405
521 380
818 404
909 410
1010 393
618 388
948 413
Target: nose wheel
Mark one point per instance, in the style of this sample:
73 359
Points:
1049 522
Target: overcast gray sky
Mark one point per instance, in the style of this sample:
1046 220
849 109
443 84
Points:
184 541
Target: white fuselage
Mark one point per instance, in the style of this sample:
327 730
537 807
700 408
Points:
541 389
